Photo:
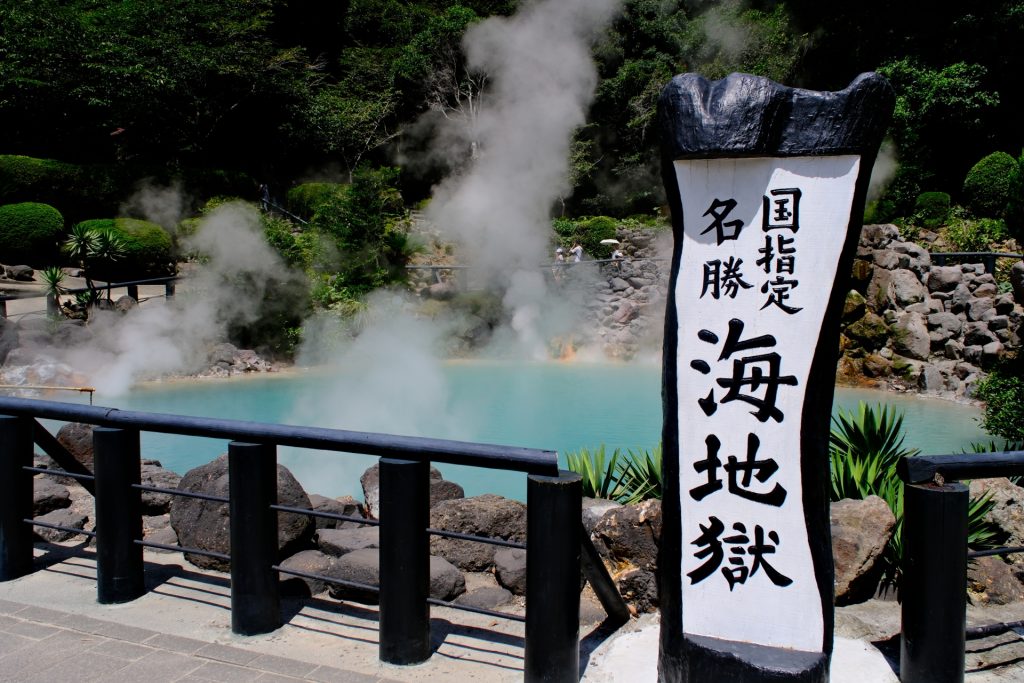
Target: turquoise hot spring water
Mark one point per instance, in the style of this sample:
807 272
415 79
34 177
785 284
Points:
552 405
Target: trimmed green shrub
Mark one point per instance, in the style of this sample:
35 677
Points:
588 232
146 248
931 209
306 199
97 189
992 185
29 233
1003 393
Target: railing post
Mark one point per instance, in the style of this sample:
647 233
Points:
133 291
404 561
116 465
15 497
252 486
3 308
933 589
168 290
553 578
990 263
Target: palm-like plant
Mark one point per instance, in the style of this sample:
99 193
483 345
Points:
641 475
601 476
864 448
86 243
53 284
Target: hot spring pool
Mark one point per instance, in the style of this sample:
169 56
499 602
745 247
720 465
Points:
558 406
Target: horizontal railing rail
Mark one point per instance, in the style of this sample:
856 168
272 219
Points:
559 547
935 557
987 258
515 458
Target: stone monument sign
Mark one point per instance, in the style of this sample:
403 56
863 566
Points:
767 186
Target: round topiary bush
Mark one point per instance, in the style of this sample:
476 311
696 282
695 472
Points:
30 233
145 250
992 185
931 209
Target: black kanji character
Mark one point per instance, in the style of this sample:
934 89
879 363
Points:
782 210
785 261
762 470
710 464
728 278
719 210
738 572
710 547
759 549
780 289
756 380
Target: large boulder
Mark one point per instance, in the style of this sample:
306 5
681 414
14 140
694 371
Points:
944 278
440 489
76 437
344 505
204 524
991 580
486 515
309 562
911 337
363 566
510 569
338 542
154 503
1017 281
861 529
1007 511
64 517
630 534
48 495
639 588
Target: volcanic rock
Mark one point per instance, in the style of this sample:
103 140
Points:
861 529
203 524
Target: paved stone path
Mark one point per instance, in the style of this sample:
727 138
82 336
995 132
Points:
53 630
48 645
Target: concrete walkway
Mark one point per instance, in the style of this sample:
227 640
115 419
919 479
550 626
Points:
52 629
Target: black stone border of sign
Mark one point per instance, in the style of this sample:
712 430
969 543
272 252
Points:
749 116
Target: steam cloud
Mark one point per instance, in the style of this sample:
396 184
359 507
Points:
153 340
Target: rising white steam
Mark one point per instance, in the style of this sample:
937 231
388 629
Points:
164 205
884 170
542 81
175 337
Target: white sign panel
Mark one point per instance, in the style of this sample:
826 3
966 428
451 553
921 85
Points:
762 240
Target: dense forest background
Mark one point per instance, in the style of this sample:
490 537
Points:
285 90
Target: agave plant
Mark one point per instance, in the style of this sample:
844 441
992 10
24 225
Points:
640 475
864 448
53 284
601 476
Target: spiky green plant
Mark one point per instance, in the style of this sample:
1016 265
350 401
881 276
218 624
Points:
53 286
864 448
601 476
641 475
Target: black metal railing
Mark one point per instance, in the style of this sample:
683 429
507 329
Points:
169 282
559 548
988 258
935 556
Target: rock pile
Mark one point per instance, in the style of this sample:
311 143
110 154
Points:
626 302
919 326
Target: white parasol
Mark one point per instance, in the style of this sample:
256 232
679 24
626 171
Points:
610 241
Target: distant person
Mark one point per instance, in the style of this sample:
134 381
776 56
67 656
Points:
559 264
264 197
617 257
577 252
